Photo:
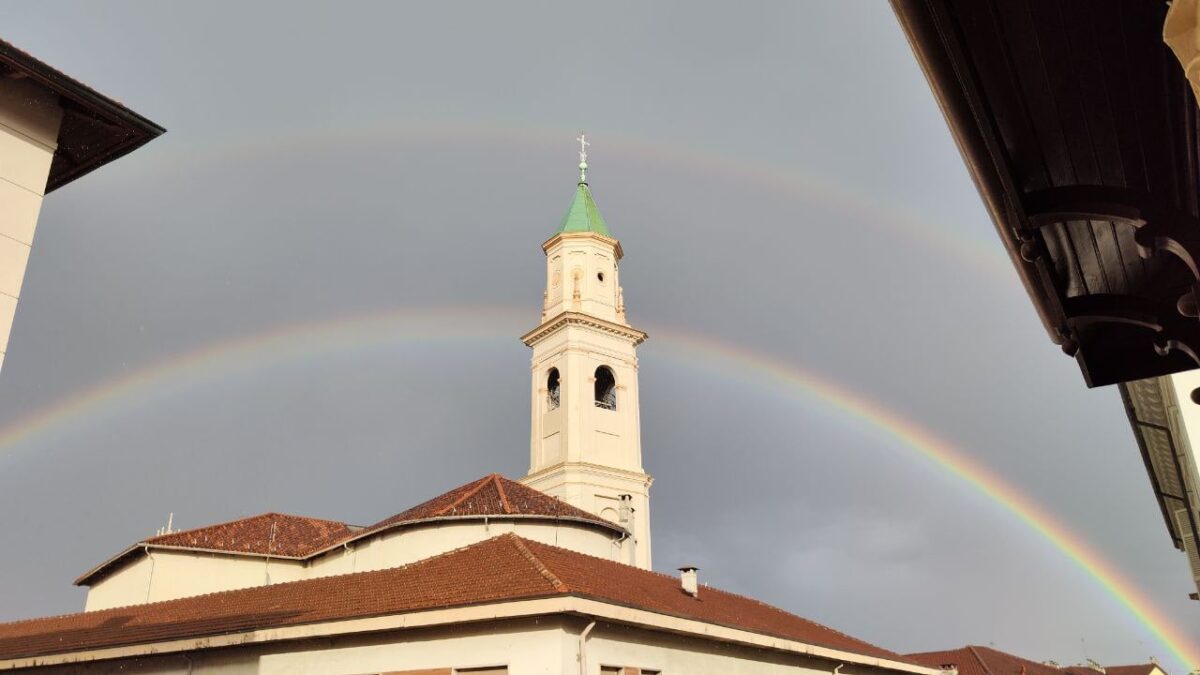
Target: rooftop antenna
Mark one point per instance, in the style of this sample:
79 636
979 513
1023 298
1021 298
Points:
583 146
167 529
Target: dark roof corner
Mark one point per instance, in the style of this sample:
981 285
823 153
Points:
95 129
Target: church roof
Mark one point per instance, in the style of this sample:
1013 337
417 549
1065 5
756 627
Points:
504 568
583 216
281 535
276 534
492 495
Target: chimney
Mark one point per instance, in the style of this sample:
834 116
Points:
687 579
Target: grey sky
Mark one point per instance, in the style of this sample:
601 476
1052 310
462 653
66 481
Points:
781 180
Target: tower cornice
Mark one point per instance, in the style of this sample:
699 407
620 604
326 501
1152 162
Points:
634 335
588 468
561 236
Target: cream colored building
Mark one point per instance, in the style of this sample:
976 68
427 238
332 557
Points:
1166 423
53 129
548 575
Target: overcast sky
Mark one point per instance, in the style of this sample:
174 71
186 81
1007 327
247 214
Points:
782 183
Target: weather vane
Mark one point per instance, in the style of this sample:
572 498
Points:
583 146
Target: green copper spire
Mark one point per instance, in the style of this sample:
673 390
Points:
583 216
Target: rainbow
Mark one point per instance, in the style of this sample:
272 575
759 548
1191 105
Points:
299 341
977 254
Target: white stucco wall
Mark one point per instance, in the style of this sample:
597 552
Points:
168 574
527 646
610 645
29 121
410 544
164 575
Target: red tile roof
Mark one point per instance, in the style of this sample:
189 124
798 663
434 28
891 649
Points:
277 534
287 536
976 660
1137 669
499 569
492 495
269 534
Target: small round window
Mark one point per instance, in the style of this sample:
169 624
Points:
600 276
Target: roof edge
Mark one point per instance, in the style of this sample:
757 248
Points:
501 516
139 129
561 604
936 48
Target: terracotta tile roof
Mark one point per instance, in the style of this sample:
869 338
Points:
976 660
499 569
287 536
634 587
277 534
1136 669
492 495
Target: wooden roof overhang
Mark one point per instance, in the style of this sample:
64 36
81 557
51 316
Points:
1081 133
95 129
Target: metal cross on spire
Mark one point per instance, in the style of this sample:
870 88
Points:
583 146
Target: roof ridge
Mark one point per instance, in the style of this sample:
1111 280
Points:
499 481
205 527
470 493
596 557
722 591
537 563
267 514
982 663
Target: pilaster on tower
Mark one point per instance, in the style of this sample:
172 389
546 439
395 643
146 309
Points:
585 441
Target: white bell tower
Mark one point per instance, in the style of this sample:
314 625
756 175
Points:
586 435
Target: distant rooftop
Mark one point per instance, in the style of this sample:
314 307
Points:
95 129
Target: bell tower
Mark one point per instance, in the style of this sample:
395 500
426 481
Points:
585 444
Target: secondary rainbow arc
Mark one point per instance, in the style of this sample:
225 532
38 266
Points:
974 253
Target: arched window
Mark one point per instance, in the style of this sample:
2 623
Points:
552 389
606 388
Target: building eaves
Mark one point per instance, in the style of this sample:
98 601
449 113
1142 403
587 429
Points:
95 129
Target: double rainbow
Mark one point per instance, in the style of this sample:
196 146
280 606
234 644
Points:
356 332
